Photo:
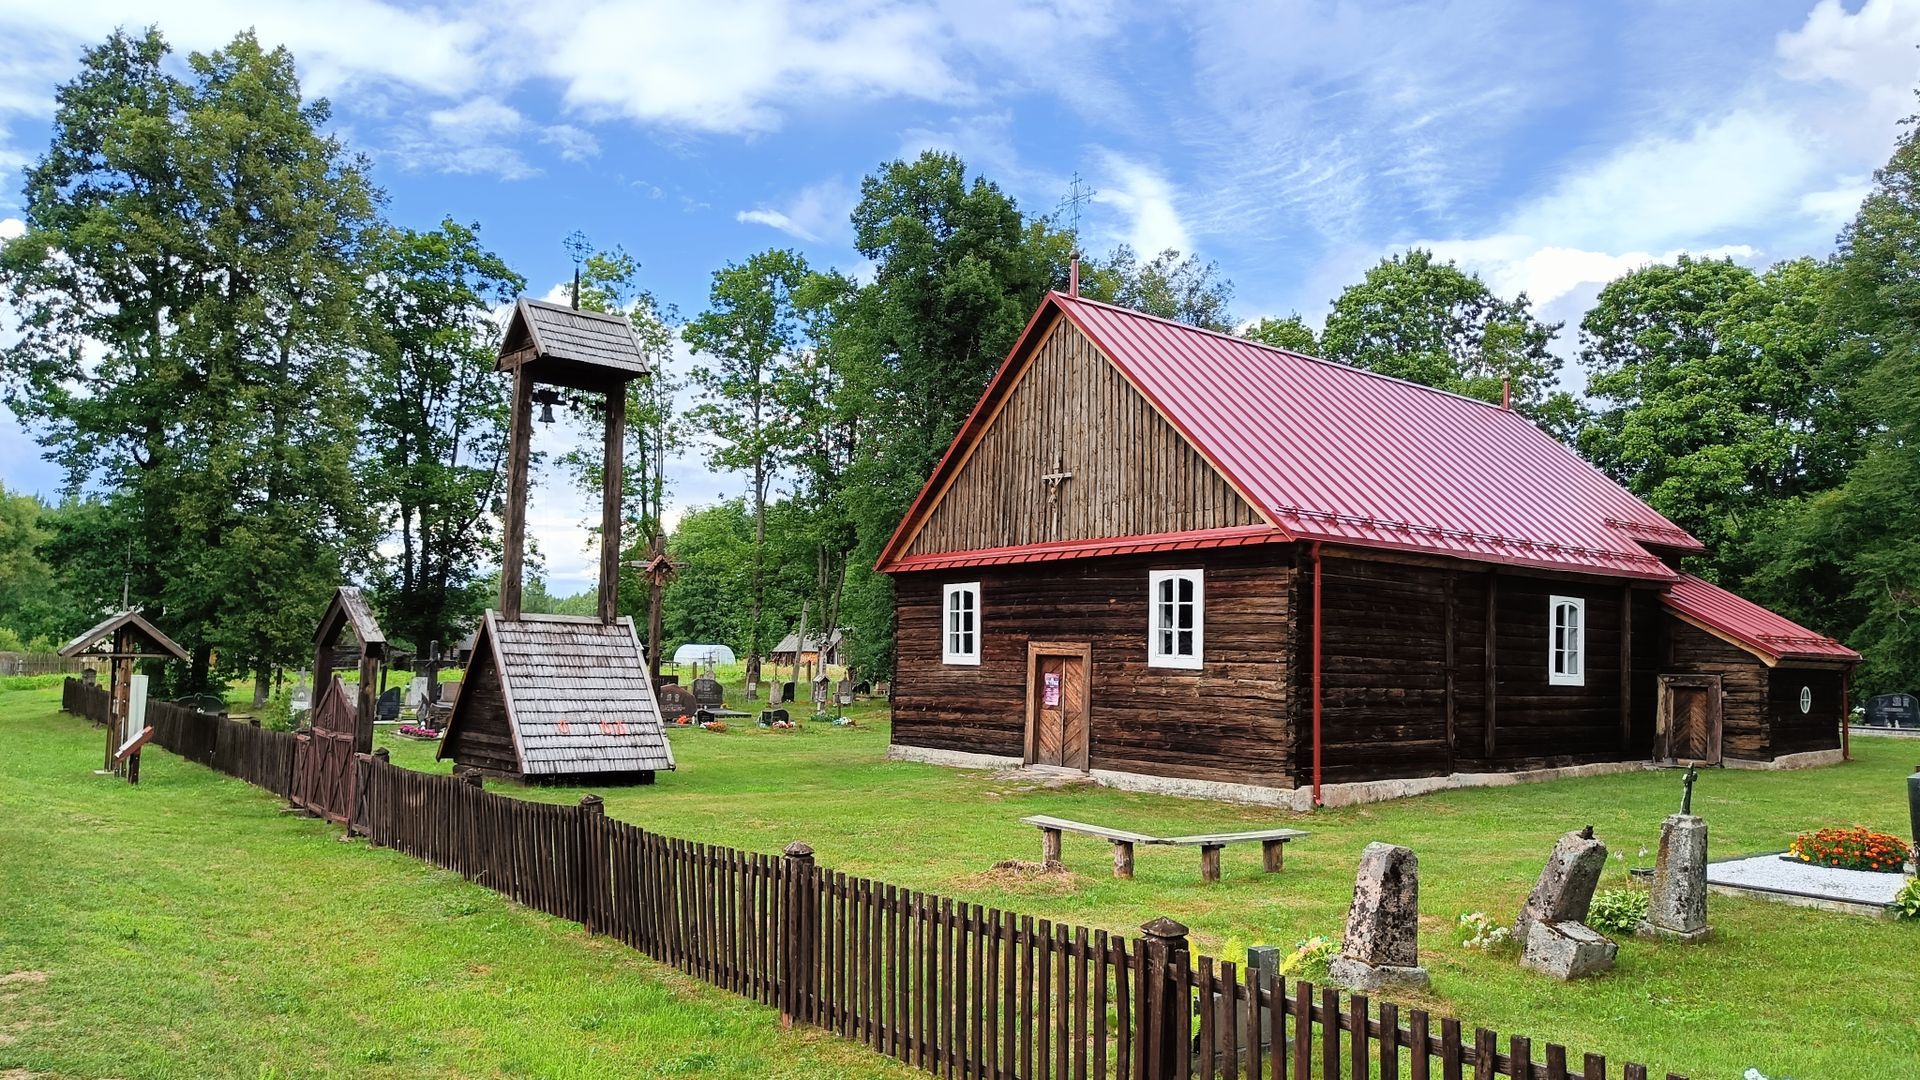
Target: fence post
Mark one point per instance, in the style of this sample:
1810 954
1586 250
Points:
593 855
797 934
1166 1012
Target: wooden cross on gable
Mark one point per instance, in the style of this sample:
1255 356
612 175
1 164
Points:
1053 480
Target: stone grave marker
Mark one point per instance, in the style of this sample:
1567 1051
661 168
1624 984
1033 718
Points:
1678 907
706 690
1552 927
676 701
1383 922
844 692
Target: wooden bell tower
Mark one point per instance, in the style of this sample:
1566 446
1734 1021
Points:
555 345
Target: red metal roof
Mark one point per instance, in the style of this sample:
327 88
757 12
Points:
1239 536
1760 630
1330 452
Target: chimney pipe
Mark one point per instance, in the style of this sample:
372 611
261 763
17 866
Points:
1073 277
1506 394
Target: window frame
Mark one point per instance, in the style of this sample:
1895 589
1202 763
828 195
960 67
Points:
948 655
1179 661
1555 676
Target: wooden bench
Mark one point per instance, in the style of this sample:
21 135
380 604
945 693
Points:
1272 844
1122 841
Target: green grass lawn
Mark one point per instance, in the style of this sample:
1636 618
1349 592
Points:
186 928
191 900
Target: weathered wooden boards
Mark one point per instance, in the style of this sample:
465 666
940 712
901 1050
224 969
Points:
1272 844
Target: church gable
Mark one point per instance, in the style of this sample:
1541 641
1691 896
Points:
1074 452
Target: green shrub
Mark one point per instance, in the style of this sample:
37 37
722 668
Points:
1309 959
1906 902
1617 912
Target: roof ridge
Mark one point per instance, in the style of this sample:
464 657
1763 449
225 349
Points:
605 316
1294 354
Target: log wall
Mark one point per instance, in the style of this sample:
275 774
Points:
1227 721
1400 697
1743 686
1795 732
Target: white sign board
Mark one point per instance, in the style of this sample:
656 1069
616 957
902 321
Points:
136 712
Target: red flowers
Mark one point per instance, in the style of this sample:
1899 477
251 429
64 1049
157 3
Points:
1853 848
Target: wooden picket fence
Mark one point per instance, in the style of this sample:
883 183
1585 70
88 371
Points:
261 757
950 988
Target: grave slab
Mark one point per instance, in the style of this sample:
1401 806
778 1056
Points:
1789 881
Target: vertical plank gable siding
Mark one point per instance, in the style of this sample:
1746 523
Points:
951 988
1227 721
483 739
1133 474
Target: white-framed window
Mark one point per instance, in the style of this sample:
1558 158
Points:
960 623
1176 618
1567 645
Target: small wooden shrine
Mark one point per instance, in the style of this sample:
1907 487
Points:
121 639
550 697
349 617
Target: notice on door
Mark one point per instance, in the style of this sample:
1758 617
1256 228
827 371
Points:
1050 690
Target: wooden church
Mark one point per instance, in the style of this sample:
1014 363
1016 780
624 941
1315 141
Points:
1182 561
561 698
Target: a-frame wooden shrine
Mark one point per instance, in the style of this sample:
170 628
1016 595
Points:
349 614
121 639
558 697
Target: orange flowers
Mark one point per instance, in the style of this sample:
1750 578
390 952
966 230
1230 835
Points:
1853 848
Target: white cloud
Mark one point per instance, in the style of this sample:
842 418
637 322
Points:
12 228
1514 263
572 143
480 118
1145 199
815 213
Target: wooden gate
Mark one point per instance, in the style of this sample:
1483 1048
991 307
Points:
324 775
1688 722
1057 704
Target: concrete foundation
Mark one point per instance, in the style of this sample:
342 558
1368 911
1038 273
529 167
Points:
1288 798
1812 759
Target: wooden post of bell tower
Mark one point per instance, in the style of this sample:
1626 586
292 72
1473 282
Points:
519 460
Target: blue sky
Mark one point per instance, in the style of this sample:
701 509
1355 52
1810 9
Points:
1547 146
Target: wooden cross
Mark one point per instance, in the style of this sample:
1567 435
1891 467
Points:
657 570
1053 480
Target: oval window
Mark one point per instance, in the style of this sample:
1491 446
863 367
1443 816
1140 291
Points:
1806 699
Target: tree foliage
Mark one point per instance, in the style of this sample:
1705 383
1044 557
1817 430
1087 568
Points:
1291 333
1171 285
1416 318
1711 395
201 234
436 423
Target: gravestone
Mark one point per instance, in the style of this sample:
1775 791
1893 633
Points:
89 676
676 701
1383 922
844 694
1678 907
777 693
706 690
1552 927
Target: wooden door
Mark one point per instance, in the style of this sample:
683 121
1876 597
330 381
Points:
1688 721
1057 704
